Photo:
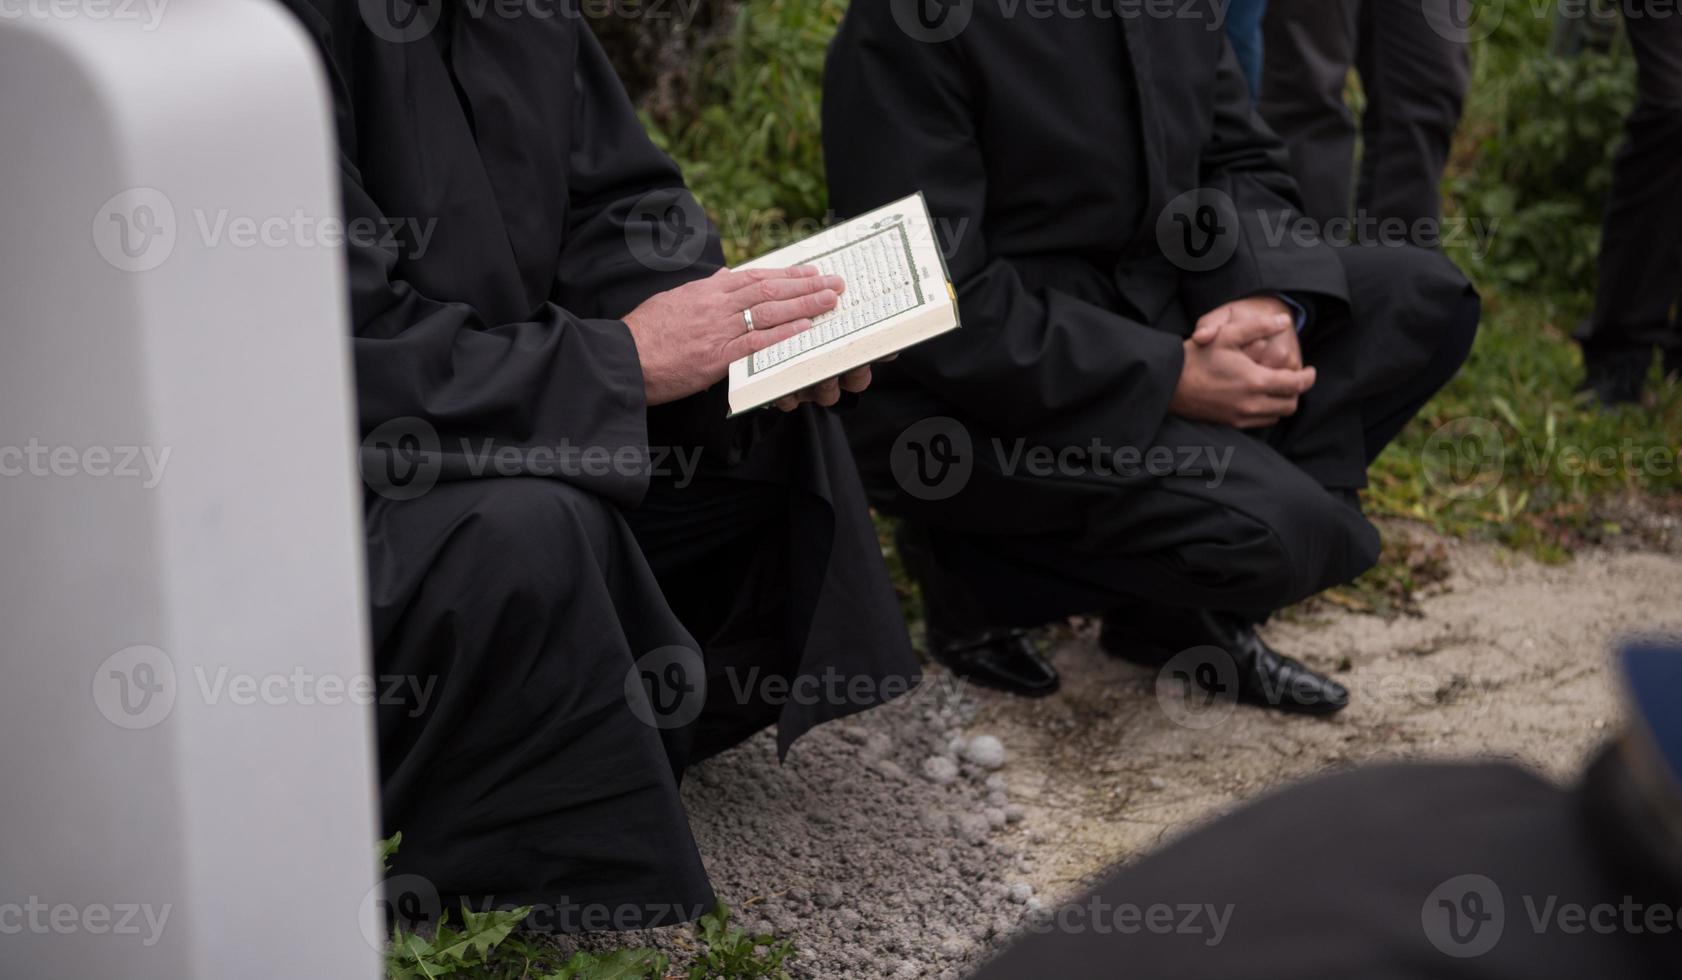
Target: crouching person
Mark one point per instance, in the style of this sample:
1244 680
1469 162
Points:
591 573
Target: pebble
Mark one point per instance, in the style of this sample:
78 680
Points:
985 751
827 896
972 828
876 745
889 768
1021 892
997 798
996 783
1015 813
940 770
995 817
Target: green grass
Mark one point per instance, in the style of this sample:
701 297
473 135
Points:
490 945
1510 452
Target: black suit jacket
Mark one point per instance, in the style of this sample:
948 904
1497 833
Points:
1049 147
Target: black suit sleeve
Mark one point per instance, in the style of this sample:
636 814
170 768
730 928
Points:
1246 161
1039 363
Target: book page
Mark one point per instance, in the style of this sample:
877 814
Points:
882 282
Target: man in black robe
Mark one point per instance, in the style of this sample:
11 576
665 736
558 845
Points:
586 575
1167 389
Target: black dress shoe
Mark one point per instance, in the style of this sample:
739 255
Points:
1616 376
1263 675
1001 658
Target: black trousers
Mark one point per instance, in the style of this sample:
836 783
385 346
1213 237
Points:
1414 67
573 656
1641 240
1273 524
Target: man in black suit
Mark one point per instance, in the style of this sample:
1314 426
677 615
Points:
1414 66
1641 241
1166 392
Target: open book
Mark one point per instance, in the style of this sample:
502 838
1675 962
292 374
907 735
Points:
898 294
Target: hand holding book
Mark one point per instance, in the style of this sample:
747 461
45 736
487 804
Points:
897 294
687 337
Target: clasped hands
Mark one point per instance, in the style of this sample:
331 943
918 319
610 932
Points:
1243 365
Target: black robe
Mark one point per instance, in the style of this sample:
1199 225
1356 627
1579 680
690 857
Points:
1059 151
543 568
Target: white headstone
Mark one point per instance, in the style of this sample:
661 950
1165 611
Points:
186 777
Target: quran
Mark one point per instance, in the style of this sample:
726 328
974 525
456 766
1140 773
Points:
898 294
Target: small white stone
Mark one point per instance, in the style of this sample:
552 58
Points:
940 770
985 751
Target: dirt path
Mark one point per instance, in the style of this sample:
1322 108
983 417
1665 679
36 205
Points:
882 852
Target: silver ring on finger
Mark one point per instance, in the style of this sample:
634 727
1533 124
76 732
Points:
747 318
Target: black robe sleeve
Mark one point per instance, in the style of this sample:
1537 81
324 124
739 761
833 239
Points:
1038 363
622 183
1243 159
554 380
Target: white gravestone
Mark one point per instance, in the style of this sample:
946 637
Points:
186 778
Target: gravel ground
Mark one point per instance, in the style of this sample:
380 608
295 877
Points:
913 841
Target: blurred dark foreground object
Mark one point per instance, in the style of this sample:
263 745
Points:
1413 870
